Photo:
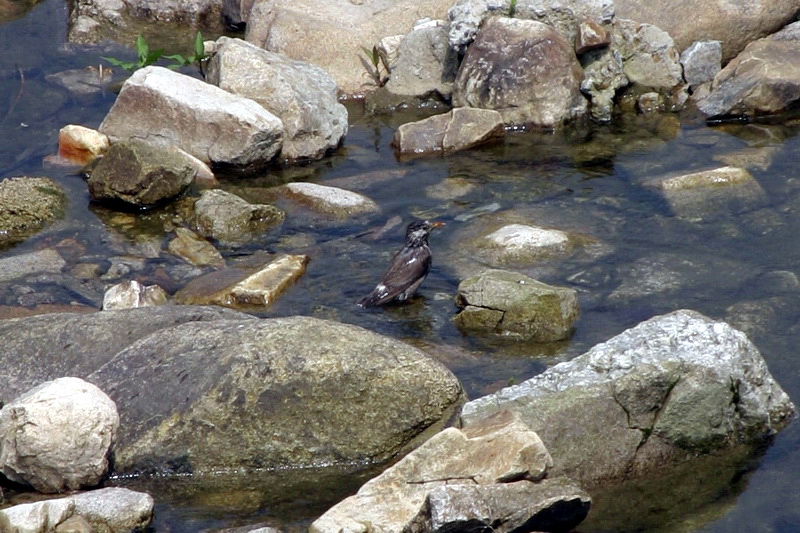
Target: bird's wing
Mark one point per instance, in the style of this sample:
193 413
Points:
408 266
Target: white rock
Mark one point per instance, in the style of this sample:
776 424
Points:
129 294
57 436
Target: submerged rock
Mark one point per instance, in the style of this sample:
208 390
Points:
270 393
21 265
245 285
498 302
461 128
26 205
57 436
229 219
659 394
523 69
196 250
114 510
486 476
168 108
708 193
302 95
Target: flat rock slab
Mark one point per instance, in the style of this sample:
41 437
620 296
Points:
487 476
245 286
217 127
455 130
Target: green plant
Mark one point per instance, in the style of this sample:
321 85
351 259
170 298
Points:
145 56
373 66
512 8
197 58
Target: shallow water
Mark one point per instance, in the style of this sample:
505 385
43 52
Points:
593 181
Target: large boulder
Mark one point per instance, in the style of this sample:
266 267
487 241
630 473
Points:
333 34
140 174
425 63
168 108
296 391
112 510
45 347
26 205
763 79
659 394
509 304
735 24
525 70
302 95
485 477
57 436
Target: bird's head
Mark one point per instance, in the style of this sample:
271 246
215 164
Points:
418 231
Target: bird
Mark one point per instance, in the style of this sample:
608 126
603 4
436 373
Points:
408 268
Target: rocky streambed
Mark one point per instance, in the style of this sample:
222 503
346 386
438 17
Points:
589 219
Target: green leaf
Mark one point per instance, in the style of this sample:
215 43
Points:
372 54
117 63
199 47
179 59
142 49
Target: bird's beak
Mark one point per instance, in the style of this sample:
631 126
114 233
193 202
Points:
437 224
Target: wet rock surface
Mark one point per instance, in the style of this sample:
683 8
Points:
459 129
26 205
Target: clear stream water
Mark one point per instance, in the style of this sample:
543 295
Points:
592 180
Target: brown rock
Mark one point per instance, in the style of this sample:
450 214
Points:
461 128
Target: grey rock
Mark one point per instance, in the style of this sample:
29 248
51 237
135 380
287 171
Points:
649 55
45 347
229 219
524 70
735 24
339 203
701 61
270 393
130 294
140 174
168 108
307 30
58 435
486 476
301 95
509 304
762 79
603 75
26 205
459 129
21 265
659 394
466 16
425 64
113 510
